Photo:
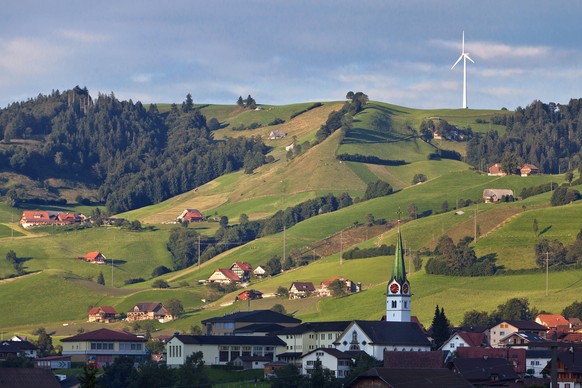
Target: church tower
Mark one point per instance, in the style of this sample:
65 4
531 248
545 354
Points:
398 295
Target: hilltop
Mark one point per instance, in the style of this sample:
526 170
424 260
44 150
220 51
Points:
384 131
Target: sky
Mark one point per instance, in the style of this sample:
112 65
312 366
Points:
284 52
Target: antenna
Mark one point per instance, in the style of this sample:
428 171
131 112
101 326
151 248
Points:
464 56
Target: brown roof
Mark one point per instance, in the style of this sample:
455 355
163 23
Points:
102 309
27 378
418 378
104 335
146 307
396 359
514 355
229 274
472 339
242 265
327 282
303 286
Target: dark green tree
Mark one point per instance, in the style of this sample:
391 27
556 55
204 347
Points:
188 105
174 306
160 283
282 292
101 279
509 163
89 377
117 374
337 287
44 342
474 318
573 310
440 327
569 176
377 189
535 226
279 308
515 309
192 372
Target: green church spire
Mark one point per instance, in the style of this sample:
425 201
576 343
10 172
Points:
399 270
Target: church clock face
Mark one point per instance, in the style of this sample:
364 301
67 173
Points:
394 288
405 288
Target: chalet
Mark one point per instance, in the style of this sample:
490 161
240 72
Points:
32 218
301 290
17 348
496 170
149 310
242 269
569 368
374 337
496 195
536 361
522 339
103 346
224 276
259 271
191 215
529 169
95 258
250 295
349 286
221 349
505 328
337 362
417 377
309 336
274 135
103 314
552 321
290 147
227 324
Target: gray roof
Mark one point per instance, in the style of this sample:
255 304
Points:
394 333
230 340
16 346
306 327
481 369
255 316
527 325
418 378
332 352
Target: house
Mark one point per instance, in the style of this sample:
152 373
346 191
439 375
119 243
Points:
221 349
301 290
271 368
242 269
409 377
259 271
505 328
191 215
552 321
53 362
496 195
484 371
103 346
149 310
224 276
95 258
251 362
227 324
104 314
250 295
274 135
398 359
536 361
529 169
464 339
569 366
17 348
290 147
515 356
309 336
496 170
374 337
337 362
32 218
27 378
349 286
522 339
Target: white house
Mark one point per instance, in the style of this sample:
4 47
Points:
536 361
461 339
505 328
373 337
338 362
221 349
309 336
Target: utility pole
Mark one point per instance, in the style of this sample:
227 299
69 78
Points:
341 246
547 267
198 251
284 242
475 226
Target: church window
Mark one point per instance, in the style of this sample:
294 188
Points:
393 304
405 305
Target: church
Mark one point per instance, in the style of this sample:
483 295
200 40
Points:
397 332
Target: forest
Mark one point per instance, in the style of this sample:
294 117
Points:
135 156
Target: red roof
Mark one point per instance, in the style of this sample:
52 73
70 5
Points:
552 320
104 335
229 274
242 265
92 255
327 282
472 339
102 309
515 356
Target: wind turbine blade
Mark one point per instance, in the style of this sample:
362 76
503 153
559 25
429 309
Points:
458 60
467 56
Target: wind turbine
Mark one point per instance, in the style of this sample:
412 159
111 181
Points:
464 56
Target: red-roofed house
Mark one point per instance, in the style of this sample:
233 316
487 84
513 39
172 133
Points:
103 346
44 218
224 276
552 321
149 310
301 290
191 215
250 294
462 339
242 269
95 257
517 357
349 286
103 314
496 170
529 169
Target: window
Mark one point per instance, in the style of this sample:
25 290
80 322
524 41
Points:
319 354
501 333
405 304
452 346
330 336
393 304
322 336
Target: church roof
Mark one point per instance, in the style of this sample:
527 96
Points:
394 333
399 270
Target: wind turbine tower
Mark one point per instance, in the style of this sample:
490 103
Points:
464 56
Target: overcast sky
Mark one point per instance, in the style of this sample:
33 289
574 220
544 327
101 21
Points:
282 52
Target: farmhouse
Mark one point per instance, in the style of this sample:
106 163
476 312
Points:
242 269
496 195
259 272
529 169
250 295
224 276
505 328
32 218
229 323
104 314
301 290
191 215
95 257
274 135
338 362
349 286
496 170
14 348
103 346
149 310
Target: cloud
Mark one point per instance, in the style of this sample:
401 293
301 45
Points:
500 73
84 37
142 78
25 56
490 50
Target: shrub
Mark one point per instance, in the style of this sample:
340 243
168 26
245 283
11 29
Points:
160 283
